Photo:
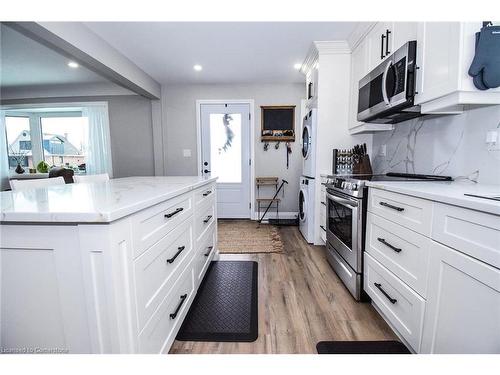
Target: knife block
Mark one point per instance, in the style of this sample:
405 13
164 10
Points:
363 166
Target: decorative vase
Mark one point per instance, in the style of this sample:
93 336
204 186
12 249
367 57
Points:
19 169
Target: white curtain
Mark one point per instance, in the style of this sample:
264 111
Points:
4 155
98 140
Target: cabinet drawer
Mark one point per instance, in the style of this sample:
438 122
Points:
402 251
204 253
410 212
205 216
471 232
150 225
399 303
160 331
156 269
204 194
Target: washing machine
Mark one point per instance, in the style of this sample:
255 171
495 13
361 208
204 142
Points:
306 208
309 127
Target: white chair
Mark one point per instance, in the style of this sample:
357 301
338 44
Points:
17 185
91 178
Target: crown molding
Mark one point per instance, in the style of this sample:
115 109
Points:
361 30
333 47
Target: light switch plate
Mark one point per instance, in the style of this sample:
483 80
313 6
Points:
186 153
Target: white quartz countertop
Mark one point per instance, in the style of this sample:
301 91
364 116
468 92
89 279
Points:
447 192
95 202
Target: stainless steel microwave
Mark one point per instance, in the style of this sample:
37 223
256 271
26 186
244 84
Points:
386 95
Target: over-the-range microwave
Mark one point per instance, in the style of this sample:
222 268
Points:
386 95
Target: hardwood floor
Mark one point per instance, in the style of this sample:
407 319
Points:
301 302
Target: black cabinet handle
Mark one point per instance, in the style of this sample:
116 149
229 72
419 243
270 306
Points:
179 250
207 193
206 171
387 32
391 206
168 216
382 37
323 203
183 299
322 227
382 240
207 219
209 251
392 300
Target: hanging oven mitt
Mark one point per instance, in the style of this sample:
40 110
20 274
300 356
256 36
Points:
486 62
478 79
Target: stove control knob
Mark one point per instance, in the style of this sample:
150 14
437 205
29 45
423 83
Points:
354 187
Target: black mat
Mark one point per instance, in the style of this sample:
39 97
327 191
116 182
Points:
361 347
225 308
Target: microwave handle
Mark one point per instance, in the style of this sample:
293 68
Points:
384 86
342 201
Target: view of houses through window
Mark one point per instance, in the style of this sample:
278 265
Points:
59 140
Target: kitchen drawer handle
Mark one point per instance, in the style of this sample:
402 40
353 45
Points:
168 216
379 287
171 260
382 240
209 251
385 204
183 299
207 193
323 203
207 219
322 227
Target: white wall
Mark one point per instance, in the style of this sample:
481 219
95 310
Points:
179 119
448 145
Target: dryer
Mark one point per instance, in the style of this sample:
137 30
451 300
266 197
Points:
309 129
306 208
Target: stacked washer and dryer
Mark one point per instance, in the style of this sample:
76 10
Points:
307 180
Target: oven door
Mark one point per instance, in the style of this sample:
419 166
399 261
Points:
343 230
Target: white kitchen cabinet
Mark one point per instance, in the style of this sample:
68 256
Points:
444 53
377 44
401 33
463 304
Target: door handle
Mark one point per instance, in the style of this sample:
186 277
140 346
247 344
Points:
180 249
385 204
206 171
387 32
209 251
183 299
168 216
382 37
391 300
384 85
382 240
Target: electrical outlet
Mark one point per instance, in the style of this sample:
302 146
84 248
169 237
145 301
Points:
382 150
492 140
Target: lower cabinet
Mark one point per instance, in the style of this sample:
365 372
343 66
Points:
463 304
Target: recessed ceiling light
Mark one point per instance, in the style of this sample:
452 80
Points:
198 67
73 64
297 66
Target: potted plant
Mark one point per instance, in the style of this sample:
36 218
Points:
19 157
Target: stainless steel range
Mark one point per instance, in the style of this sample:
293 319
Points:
346 221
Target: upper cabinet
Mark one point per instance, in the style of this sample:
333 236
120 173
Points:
444 53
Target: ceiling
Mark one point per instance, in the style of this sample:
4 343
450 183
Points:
27 63
230 52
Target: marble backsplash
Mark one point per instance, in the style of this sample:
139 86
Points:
453 145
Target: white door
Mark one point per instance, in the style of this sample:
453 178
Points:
225 144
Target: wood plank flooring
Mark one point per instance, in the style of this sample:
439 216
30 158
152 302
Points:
301 302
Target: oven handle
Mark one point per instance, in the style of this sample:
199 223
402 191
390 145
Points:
384 86
342 201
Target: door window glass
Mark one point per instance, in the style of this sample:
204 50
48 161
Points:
305 142
225 147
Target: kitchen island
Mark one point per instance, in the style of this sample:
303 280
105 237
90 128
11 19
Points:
104 267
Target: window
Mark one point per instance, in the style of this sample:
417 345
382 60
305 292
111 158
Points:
74 136
18 141
65 142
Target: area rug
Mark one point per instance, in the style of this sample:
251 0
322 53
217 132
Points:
361 347
248 237
226 306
